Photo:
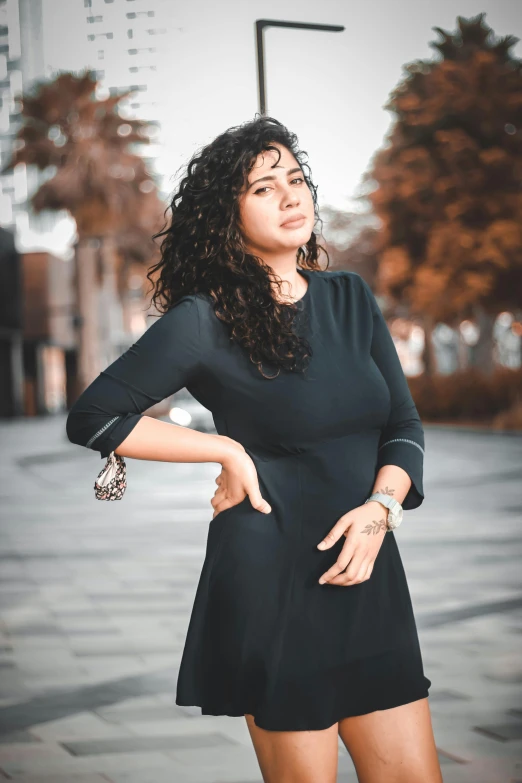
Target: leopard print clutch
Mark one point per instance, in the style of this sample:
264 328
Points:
112 479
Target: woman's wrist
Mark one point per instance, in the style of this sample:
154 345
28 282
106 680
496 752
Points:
381 506
230 449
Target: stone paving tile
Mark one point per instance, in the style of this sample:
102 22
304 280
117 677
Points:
77 727
134 597
120 652
219 763
503 732
103 764
447 696
181 774
174 774
68 778
135 703
74 633
18 759
110 668
173 727
474 610
110 764
136 744
144 714
81 611
447 758
16 737
57 705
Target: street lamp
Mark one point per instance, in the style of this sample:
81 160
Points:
261 24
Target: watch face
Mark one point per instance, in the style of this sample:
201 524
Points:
395 519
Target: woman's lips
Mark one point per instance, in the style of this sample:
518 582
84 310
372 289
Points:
294 223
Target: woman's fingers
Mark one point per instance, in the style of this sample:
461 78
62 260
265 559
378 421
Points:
220 508
239 480
356 572
222 500
359 570
345 556
242 478
334 535
257 500
343 575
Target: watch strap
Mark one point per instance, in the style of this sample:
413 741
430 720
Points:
390 503
387 500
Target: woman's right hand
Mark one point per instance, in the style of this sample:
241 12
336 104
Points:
238 478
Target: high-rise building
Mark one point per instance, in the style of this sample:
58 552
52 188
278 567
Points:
21 62
128 46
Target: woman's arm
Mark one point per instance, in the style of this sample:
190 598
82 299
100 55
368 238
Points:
152 439
402 439
394 481
108 415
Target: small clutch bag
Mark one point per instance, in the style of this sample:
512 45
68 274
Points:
112 479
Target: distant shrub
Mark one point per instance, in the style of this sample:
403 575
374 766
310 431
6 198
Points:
471 395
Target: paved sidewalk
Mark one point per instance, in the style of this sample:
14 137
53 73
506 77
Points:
95 601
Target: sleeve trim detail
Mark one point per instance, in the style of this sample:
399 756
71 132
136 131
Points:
97 434
404 440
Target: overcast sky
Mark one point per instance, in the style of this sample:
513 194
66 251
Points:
329 88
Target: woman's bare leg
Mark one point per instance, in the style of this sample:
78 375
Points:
395 745
296 756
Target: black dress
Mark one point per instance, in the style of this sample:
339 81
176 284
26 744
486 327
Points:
264 636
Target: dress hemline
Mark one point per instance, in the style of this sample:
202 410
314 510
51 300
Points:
379 705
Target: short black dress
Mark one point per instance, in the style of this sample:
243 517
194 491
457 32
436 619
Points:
264 636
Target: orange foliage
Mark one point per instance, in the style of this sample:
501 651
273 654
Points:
447 181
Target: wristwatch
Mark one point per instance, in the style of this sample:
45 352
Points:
394 509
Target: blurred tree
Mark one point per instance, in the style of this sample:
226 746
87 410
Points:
351 239
83 144
447 184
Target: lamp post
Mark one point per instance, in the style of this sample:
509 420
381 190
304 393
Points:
261 24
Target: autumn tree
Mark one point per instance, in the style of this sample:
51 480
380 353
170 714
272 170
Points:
447 183
83 143
350 239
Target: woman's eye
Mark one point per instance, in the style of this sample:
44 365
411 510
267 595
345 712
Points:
260 190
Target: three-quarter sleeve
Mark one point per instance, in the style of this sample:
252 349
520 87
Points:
163 360
402 439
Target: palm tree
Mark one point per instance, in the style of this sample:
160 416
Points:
83 144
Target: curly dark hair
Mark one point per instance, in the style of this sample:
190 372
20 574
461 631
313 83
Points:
203 249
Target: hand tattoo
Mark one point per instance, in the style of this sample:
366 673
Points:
374 527
387 491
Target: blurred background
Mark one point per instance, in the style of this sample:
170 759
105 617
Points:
411 115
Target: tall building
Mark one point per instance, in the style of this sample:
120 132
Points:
128 49
21 62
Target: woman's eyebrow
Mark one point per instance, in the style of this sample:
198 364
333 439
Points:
271 176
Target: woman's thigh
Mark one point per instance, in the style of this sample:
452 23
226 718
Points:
296 756
395 745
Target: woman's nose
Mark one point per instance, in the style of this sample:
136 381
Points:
291 197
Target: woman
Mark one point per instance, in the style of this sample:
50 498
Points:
302 620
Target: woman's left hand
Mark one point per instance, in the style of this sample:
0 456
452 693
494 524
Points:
364 528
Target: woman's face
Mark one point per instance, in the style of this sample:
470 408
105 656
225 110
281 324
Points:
273 196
